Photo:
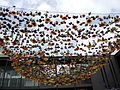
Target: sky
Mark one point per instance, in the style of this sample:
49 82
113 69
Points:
71 6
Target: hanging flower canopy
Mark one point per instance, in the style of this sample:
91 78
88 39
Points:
58 48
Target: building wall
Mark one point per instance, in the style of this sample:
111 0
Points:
108 77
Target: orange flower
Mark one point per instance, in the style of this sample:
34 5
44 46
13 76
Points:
118 41
53 33
40 62
41 53
25 48
89 46
116 36
46 59
88 21
49 44
76 49
67 54
55 52
47 20
42 41
29 25
99 40
33 41
102 24
17 55
18 69
12 13
1 43
6 39
83 59
68 40
75 27
29 61
106 50
103 64
84 37
116 20
62 70
64 18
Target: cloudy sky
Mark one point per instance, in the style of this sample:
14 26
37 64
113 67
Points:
71 6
